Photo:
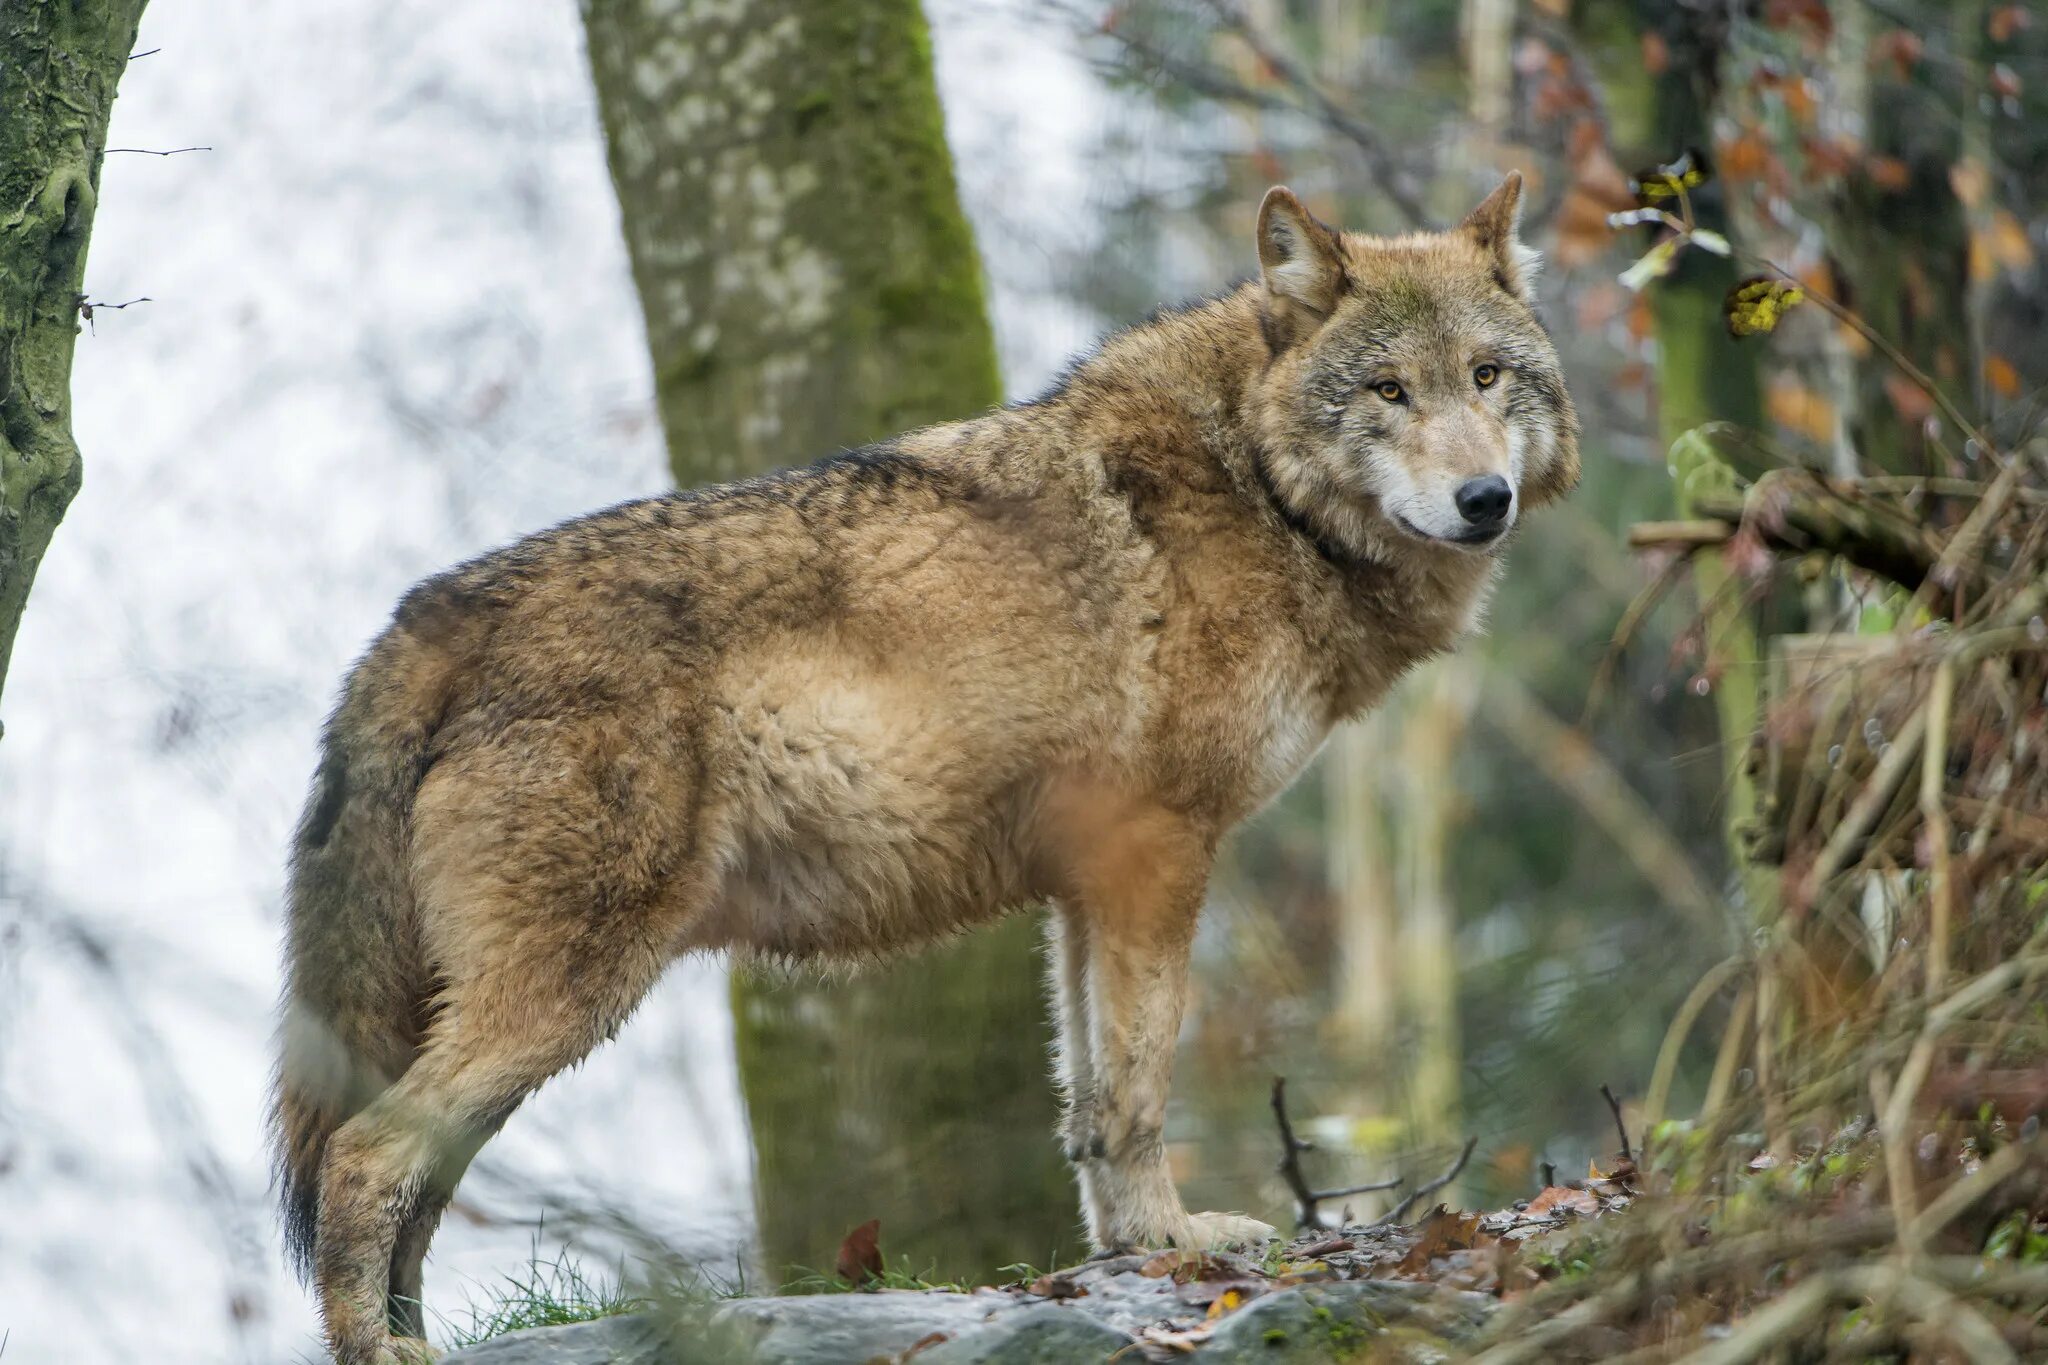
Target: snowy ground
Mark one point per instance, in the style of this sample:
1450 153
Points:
390 325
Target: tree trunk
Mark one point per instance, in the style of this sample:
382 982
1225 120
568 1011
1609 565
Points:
809 283
1901 251
60 63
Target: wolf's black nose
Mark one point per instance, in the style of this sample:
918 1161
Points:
1484 501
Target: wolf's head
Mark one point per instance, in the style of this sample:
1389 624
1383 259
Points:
1412 392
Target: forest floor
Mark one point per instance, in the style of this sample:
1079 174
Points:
1657 1256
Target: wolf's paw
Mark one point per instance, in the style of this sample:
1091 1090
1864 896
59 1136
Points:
1214 1231
407 1351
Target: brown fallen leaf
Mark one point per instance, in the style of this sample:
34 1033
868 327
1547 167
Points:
1185 1266
1440 1233
1581 1202
860 1255
1050 1286
925 1343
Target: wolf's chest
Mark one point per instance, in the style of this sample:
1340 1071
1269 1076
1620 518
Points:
1286 722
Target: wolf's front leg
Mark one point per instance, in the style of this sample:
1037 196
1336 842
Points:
1138 892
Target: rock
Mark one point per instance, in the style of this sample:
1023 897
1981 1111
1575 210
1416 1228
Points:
849 1329
1328 1322
1032 1336
634 1339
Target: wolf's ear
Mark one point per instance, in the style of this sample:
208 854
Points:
1302 264
1493 225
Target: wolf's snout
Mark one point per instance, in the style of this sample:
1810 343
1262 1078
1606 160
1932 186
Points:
1484 501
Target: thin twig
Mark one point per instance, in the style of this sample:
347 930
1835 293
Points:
1305 1198
1400 1210
151 151
1627 1154
1393 178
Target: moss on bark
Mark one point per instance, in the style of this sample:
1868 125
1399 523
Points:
809 282
60 63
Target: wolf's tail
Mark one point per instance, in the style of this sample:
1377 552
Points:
355 981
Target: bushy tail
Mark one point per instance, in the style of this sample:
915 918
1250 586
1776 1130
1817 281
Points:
354 979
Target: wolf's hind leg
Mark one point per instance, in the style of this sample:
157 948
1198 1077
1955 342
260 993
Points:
391 1169
1066 952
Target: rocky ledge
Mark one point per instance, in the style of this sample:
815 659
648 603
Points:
1320 1298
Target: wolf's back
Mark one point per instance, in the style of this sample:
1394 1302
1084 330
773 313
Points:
355 981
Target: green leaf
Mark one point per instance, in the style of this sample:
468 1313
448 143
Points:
1759 304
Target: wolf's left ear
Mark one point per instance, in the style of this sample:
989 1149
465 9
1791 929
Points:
1493 225
1302 263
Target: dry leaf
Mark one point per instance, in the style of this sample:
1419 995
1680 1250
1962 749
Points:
1796 407
1051 1286
1187 1266
1901 47
1440 1233
925 1343
1563 1197
2002 376
860 1255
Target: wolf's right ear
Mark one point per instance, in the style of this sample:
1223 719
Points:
1302 263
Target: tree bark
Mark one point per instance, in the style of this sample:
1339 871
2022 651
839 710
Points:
60 63
809 282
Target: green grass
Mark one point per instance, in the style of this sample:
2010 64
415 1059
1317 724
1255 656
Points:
898 1276
547 1293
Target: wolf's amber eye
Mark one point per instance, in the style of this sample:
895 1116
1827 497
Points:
1484 375
1390 391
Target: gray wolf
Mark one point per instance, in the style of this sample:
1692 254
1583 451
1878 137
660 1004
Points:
1049 655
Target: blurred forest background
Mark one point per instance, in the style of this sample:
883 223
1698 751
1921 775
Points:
395 302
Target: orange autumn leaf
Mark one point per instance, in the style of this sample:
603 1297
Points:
1580 1202
1795 407
1656 54
1909 400
2010 246
1901 48
2007 21
1745 157
2002 375
1888 173
1970 181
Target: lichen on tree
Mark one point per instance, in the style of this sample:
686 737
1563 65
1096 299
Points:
60 64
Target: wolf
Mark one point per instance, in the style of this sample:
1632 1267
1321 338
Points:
1047 656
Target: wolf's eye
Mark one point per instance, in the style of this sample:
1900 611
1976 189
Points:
1485 375
1390 391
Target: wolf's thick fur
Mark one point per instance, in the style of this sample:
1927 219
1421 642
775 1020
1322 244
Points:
1052 653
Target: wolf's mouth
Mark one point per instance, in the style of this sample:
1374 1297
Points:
1477 539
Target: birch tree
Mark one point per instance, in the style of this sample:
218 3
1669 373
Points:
60 63
810 283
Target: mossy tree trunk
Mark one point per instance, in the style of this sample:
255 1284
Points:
1704 375
1900 241
810 283
60 64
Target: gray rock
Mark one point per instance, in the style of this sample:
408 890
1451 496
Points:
635 1339
849 1329
1042 1335
1330 1322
